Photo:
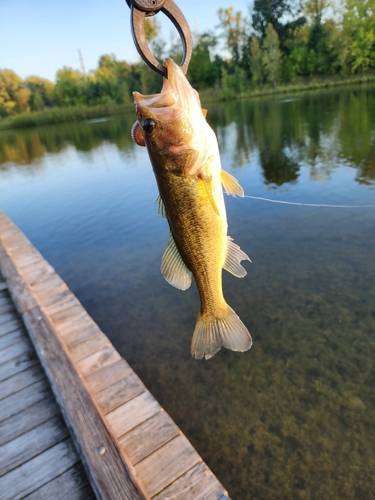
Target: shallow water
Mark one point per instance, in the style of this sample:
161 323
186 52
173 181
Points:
295 416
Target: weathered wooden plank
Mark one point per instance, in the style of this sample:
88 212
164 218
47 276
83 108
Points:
12 338
25 397
144 439
67 302
9 316
31 443
84 349
197 483
78 329
18 244
111 474
21 380
133 413
104 357
26 250
38 273
26 257
113 385
50 284
18 364
68 313
18 288
28 477
12 237
28 419
71 485
5 298
6 307
12 325
15 350
214 495
167 464
105 377
54 296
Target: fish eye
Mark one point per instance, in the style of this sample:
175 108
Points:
148 125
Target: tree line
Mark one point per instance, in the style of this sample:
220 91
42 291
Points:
280 41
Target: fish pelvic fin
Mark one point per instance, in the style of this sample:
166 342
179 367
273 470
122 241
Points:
231 184
233 259
173 267
210 335
161 207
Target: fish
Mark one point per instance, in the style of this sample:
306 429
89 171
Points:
185 158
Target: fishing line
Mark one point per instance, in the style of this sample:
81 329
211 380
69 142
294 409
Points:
307 204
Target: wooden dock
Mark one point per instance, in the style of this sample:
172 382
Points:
129 446
33 433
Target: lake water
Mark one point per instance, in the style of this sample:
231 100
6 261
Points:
294 417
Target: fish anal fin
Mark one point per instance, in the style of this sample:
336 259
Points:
208 186
210 336
173 267
231 184
233 259
161 207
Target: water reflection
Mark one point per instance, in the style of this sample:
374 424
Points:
316 129
26 146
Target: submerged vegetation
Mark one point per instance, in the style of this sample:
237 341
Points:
281 45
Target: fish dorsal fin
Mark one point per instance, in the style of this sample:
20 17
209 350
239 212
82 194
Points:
208 185
233 259
231 184
173 267
161 207
204 112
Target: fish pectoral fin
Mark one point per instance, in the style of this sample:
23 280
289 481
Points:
161 207
173 267
210 335
208 185
204 112
231 184
233 259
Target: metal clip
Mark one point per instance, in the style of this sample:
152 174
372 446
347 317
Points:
145 8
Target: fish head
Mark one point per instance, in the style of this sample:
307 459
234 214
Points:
173 125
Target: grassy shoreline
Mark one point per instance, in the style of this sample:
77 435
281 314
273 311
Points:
82 113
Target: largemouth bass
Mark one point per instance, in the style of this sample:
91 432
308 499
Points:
185 158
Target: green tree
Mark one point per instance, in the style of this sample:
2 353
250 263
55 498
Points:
233 25
272 55
70 88
256 61
274 12
359 25
205 67
41 86
10 84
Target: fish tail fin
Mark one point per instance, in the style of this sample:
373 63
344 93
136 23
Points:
212 334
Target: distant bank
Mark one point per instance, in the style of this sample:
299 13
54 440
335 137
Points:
82 113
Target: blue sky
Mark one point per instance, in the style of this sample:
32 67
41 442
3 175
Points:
38 37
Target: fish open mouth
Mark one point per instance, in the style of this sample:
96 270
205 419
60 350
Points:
176 95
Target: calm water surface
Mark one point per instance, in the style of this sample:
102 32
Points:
295 416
